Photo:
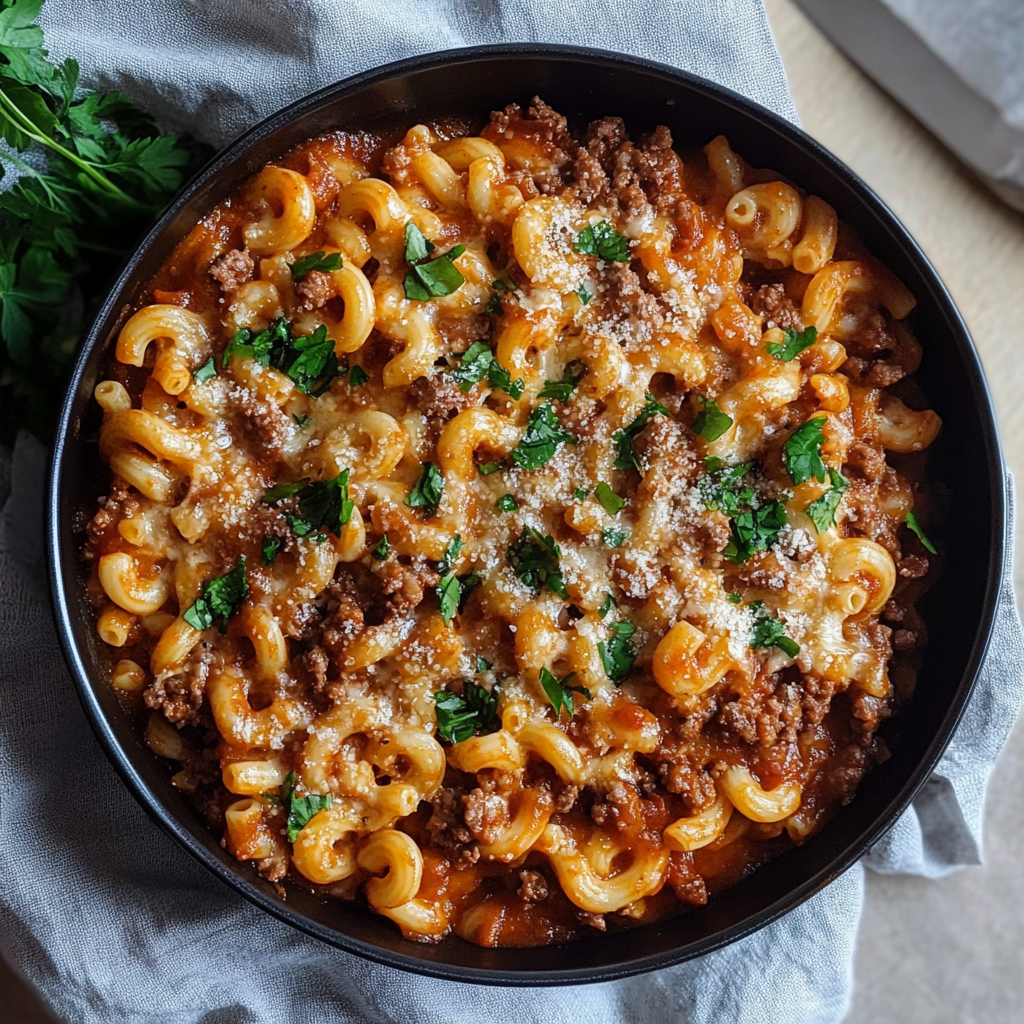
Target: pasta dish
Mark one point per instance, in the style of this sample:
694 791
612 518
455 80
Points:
514 531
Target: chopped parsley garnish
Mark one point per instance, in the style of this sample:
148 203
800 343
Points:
770 632
219 600
323 505
271 546
380 552
754 530
301 421
583 294
534 560
205 372
711 423
609 500
541 438
478 362
603 241
914 527
501 286
468 583
427 493
459 718
487 468
720 486
734 598
822 511
617 654
357 376
580 493
614 536
795 343
607 605
623 439
449 590
301 809
507 503
562 389
802 452
482 665
417 245
309 360
436 277
315 261
279 491
559 691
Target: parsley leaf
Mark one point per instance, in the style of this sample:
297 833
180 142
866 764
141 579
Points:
541 438
507 503
301 809
584 294
822 511
482 665
607 605
561 390
205 372
357 376
304 266
301 421
279 491
603 241
559 692
734 598
323 505
219 600
417 245
770 632
501 286
802 452
754 530
487 468
271 546
623 439
478 362
711 423
427 493
914 527
459 718
795 343
609 500
617 653
436 278
451 553
614 536
580 493
380 552
534 560
309 360
720 487
449 590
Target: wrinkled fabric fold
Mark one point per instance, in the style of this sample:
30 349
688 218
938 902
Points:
102 911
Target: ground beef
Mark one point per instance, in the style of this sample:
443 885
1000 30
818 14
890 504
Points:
621 807
591 920
869 712
439 399
546 129
264 420
179 696
315 290
404 584
767 722
316 662
913 567
869 459
486 814
446 827
233 269
872 373
816 699
685 880
904 640
118 505
686 777
565 796
776 308
533 886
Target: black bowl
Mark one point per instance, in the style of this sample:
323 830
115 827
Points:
966 460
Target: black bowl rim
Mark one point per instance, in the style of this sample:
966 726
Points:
809 887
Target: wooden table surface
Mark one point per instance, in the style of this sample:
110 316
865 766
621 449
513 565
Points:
946 952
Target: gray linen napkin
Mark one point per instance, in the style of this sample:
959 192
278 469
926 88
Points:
102 911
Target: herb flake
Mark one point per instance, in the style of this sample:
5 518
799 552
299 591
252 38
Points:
219 600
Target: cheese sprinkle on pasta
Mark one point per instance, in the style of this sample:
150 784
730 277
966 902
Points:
474 548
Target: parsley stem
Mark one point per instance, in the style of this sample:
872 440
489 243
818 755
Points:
31 129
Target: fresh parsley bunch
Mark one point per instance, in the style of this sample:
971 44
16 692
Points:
94 172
